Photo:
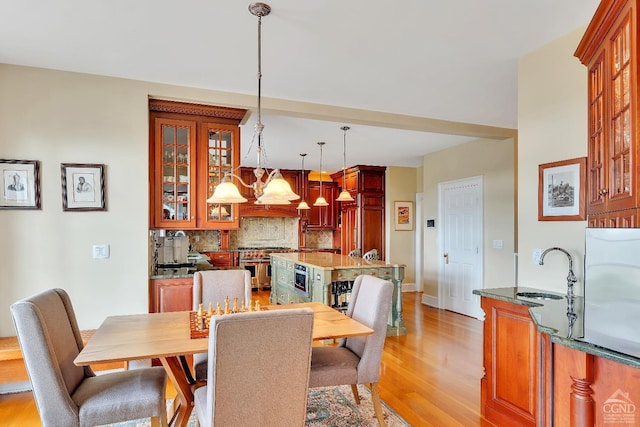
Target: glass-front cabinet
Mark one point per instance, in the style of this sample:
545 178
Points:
190 154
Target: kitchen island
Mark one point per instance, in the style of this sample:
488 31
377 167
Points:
539 371
327 278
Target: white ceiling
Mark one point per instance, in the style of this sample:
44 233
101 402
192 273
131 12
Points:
445 60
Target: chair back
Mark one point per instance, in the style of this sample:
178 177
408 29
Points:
258 370
50 340
216 285
354 253
370 305
371 255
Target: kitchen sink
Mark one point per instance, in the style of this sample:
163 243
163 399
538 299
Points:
539 295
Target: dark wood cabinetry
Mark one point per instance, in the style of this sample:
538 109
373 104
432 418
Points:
170 295
513 359
609 49
293 177
191 148
362 222
222 259
322 217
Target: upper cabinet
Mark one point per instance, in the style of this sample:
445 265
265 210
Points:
609 50
191 148
322 217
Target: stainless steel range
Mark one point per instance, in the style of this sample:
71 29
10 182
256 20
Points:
258 262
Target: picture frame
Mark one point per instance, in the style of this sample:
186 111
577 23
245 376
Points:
403 216
562 190
83 187
20 181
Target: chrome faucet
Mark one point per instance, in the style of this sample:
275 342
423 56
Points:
571 281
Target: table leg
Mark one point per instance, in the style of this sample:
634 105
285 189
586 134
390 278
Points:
185 396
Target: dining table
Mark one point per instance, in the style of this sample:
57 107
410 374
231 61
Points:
168 336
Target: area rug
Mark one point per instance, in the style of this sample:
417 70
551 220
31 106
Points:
326 406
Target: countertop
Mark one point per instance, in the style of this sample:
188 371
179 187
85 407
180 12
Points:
331 261
550 317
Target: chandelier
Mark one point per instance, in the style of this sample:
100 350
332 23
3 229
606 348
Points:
274 190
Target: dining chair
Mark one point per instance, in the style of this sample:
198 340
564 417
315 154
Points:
70 395
214 286
371 255
258 373
354 253
356 360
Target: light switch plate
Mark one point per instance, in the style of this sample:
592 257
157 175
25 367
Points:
100 251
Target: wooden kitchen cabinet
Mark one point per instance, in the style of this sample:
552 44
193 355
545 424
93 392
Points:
322 217
293 177
514 363
170 294
362 222
223 259
191 148
609 49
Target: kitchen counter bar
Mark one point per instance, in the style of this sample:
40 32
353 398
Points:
329 261
550 317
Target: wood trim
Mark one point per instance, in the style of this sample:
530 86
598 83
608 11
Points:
215 111
600 24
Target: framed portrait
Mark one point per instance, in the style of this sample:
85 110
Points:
403 216
83 187
562 190
20 184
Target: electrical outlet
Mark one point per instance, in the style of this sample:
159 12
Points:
535 256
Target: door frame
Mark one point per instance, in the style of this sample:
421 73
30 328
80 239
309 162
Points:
476 180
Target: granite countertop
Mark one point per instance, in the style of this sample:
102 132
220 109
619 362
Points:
331 261
550 317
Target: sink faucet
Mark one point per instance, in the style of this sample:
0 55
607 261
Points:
571 281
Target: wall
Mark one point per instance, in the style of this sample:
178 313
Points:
552 126
59 117
494 160
400 245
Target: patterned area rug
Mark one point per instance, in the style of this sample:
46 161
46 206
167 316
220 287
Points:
327 406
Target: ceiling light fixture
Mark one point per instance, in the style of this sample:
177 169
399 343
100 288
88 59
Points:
275 190
344 196
303 205
321 201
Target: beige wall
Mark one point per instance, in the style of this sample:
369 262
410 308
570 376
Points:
400 245
59 117
552 126
494 161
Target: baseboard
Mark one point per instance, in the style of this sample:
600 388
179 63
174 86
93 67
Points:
430 300
408 287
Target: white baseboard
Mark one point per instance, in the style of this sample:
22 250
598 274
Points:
430 300
408 287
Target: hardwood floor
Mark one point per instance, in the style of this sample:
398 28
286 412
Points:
431 376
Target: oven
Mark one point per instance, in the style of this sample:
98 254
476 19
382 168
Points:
258 262
301 278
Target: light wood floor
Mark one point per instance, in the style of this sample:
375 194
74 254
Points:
431 376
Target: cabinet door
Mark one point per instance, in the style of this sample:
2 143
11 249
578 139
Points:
349 236
175 174
322 217
510 387
171 295
219 154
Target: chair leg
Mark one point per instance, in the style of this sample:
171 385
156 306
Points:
160 421
377 406
356 397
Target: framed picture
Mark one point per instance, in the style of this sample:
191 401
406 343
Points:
83 187
20 184
562 190
403 215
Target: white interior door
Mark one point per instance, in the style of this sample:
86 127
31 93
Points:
461 231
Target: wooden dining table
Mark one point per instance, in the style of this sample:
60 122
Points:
167 336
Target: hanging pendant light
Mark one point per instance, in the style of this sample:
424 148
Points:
275 190
344 196
321 201
303 205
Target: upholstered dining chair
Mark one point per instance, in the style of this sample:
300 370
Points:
371 255
214 286
258 373
354 253
69 395
356 360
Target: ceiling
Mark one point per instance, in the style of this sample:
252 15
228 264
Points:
410 77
